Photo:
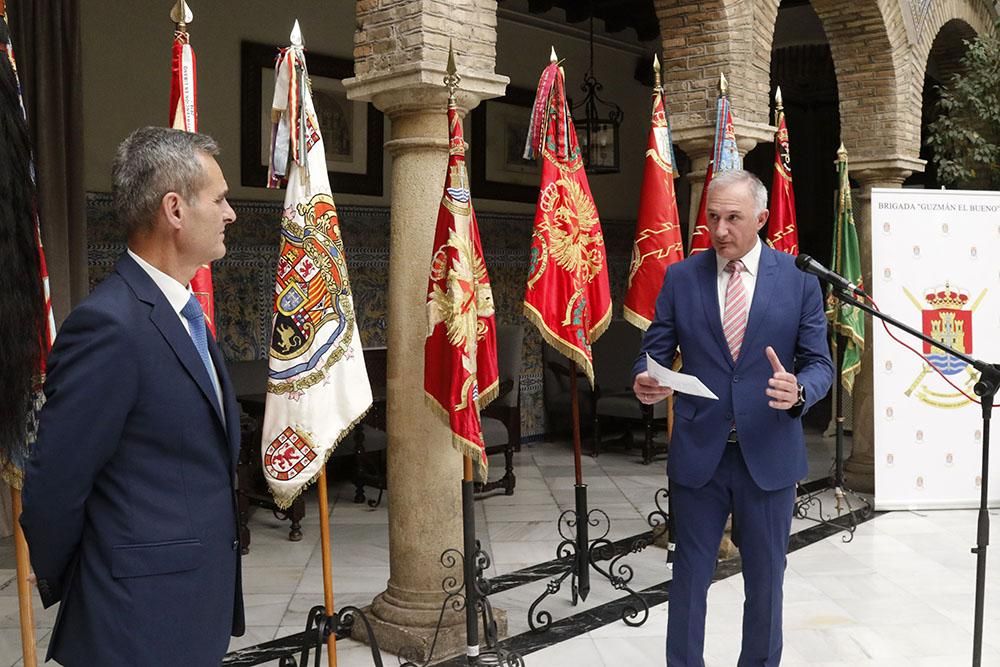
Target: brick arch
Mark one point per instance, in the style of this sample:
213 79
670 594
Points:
700 40
950 20
869 48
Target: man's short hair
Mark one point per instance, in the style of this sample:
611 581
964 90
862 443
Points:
741 177
151 162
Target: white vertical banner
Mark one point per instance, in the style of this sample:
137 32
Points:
936 268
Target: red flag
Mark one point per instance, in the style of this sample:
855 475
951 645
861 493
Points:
782 233
460 353
568 296
657 232
725 156
184 116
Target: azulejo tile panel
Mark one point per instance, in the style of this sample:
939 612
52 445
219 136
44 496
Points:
244 278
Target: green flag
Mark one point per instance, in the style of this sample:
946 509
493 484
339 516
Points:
847 320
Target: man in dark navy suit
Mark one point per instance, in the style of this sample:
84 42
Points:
751 327
129 504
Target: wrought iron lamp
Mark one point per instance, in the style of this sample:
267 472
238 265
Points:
597 121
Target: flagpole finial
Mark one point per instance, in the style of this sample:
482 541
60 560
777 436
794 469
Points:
723 84
778 106
842 153
296 35
181 15
552 56
656 72
452 78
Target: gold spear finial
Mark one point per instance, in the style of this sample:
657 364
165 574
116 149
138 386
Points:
842 153
181 15
778 106
657 83
552 56
723 84
452 78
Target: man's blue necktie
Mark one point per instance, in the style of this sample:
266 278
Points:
193 313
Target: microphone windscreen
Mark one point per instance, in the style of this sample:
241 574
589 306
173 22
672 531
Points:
803 261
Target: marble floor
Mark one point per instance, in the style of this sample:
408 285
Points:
901 593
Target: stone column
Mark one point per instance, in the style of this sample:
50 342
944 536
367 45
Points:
401 50
859 469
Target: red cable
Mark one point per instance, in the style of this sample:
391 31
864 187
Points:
935 368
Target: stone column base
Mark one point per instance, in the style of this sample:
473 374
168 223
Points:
859 473
416 641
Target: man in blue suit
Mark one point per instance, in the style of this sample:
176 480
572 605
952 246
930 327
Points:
751 327
129 502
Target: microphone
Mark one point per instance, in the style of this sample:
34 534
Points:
809 265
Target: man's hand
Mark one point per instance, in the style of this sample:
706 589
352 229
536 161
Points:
783 388
648 390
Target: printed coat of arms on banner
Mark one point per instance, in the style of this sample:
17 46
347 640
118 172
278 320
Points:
948 320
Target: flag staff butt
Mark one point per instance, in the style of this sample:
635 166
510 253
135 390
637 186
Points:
469 561
324 532
28 644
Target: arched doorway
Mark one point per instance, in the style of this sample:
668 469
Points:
943 61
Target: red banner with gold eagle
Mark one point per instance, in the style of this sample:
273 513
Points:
460 353
184 116
782 233
657 232
568 296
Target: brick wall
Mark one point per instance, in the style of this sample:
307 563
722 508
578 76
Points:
394 33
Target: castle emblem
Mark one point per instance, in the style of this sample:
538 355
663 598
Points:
946 317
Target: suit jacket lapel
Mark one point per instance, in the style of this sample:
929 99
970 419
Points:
166 320
230 406
708 283
763 291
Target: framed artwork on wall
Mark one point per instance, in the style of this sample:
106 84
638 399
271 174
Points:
352 131
499 129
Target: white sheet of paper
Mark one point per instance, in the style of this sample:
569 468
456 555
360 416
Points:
686 384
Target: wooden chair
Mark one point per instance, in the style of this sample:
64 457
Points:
614 403
501 419
557 398
249 380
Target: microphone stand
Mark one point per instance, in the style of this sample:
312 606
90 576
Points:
986 390
841 492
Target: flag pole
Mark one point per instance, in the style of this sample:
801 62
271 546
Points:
552 138
27 613
324 537
469 546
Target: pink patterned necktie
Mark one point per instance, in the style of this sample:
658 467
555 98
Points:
734 324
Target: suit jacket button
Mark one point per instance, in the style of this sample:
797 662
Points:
736 378
236 545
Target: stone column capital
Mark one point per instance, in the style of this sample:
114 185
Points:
887 171
417 87
698 140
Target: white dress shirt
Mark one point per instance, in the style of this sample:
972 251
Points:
751 262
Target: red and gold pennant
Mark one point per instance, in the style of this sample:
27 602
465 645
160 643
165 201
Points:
657 232
460 352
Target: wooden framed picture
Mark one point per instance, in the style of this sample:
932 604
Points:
352 131
499 130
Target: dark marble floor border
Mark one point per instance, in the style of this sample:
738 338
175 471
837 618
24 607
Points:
610 612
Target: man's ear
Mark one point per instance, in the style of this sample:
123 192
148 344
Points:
762 218
171 209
